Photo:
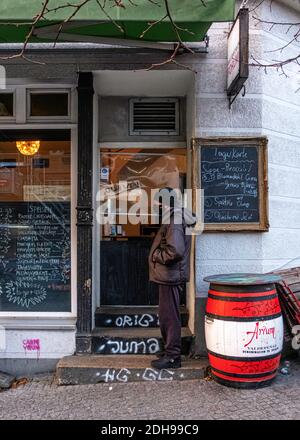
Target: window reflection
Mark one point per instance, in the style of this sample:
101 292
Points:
147 169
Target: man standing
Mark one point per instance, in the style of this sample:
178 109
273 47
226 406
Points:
169 268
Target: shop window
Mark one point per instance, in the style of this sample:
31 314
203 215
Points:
35 262
6 105
48 104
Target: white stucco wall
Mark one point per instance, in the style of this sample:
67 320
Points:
37 344
271 107
281 123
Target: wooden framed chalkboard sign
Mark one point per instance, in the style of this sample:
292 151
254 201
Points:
233 177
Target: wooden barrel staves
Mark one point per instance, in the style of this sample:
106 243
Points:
243 329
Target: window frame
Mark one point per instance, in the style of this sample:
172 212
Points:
9 91
49 91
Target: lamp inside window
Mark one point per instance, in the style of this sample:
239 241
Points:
28 148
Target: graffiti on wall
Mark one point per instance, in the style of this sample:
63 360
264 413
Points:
32 345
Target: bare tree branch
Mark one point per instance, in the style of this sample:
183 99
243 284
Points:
279 65
176 28
36 19
171 59
151 25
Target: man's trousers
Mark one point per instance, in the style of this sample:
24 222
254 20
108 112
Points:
169 318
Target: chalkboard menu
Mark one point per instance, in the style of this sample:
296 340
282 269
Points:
233 177
35 262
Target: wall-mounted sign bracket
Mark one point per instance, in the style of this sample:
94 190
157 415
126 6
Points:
203 48
232 98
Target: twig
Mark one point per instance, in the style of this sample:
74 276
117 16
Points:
175 27
36 19
171 59
153 24
102 7
279 65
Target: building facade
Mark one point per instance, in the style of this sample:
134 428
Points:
89 107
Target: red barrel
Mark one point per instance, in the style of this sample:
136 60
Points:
243 329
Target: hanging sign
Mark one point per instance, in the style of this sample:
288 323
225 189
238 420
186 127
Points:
238 53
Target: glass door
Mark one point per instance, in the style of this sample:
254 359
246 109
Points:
129 178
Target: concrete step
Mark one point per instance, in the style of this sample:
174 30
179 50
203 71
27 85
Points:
90 369
130 317
133 341
6 380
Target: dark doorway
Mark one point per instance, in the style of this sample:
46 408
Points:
125 245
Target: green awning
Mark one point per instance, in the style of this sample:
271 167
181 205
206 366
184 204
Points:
102 18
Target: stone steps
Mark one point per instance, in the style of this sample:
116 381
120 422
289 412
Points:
132 341
132 317
93 369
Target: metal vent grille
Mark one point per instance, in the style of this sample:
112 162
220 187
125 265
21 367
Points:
154 116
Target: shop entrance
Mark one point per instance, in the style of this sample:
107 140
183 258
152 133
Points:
126 239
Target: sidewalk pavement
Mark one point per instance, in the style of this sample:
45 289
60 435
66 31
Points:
41 398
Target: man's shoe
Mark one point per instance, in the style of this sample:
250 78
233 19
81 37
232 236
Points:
160 354
166 362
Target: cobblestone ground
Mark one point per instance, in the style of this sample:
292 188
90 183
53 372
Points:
43 399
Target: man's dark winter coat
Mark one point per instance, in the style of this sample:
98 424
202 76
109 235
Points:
170 252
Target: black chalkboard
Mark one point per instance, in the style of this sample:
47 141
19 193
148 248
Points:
35 262
230 180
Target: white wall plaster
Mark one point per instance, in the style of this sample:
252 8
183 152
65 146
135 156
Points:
270 107
38 344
